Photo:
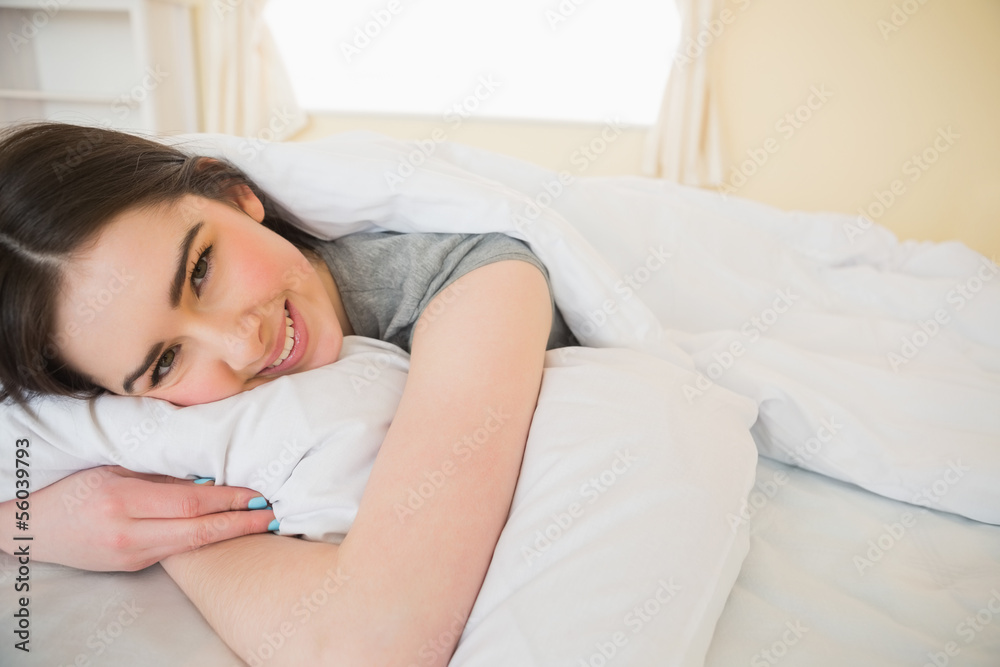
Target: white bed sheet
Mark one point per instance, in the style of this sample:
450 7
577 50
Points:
839 576
805 530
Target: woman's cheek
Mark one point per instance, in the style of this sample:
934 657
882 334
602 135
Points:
197 389
297 273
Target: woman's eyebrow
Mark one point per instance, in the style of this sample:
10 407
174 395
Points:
128 384
183 251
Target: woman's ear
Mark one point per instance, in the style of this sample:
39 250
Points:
244 197
241 195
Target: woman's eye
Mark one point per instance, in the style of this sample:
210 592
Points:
163 366
167 360
201 269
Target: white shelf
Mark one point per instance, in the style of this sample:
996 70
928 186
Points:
49 96
124 63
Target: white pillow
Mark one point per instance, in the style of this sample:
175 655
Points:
624 537
620 540
331 419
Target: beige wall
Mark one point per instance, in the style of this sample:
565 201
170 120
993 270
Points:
558 146
892 101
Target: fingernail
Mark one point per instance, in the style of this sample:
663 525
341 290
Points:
204 480
258 503
274 526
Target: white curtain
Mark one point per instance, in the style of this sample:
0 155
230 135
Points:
685 144
245 87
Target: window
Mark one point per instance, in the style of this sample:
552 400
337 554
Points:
560 60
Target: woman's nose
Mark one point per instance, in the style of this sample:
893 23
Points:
237 339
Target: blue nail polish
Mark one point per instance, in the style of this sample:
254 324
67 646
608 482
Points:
274 526
204 480
258 503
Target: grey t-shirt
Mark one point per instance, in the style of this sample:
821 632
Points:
387 279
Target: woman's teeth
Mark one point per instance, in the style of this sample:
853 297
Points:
289 340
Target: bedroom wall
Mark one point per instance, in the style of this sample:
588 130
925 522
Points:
904 120
558 146
884 98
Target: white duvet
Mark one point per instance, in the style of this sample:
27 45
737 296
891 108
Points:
871 361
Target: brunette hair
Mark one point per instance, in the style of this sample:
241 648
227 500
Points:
60 185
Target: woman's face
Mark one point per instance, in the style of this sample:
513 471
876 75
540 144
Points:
188 302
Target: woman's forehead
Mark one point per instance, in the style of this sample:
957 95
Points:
183 210
115 293
140 228
132 261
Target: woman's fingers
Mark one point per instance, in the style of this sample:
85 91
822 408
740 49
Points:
149 477
189 500
165 497
180 535
125 472
166 537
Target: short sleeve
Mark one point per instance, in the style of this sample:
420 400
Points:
386 279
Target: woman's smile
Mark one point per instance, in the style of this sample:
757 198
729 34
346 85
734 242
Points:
290 343
286 345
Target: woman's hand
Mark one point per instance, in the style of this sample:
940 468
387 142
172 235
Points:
112 519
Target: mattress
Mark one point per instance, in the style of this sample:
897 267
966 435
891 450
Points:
839 576
806 594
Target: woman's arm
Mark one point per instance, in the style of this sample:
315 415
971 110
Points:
399 588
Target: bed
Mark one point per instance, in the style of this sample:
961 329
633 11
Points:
815 413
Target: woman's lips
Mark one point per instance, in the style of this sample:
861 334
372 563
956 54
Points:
299 341
287 343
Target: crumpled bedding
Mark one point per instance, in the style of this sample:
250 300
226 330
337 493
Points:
867 360
863 354
872 361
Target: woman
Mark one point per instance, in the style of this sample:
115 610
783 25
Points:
213 292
